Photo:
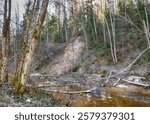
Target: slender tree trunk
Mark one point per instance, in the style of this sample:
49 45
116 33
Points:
65 21
31 50
47 31
5 40
112 21
110 39
58 14
16 44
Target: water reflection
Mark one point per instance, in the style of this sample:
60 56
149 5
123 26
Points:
106 97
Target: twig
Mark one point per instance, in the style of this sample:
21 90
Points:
109 76
117 82
53 85
129 21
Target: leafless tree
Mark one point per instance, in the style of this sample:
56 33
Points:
21 82
5 40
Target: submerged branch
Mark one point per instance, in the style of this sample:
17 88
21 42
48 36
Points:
70 92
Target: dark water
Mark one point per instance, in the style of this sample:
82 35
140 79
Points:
106 97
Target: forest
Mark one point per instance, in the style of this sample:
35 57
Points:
75 53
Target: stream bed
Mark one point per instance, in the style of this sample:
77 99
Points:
106 97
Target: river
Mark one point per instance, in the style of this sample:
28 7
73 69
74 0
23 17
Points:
106 97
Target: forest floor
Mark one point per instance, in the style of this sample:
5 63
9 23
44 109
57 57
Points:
34 98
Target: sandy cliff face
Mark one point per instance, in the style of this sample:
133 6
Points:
67 60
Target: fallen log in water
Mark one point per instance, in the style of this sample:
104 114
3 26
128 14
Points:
145 84
69 92
135 80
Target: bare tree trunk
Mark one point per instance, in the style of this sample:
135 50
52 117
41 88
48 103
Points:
65 21
112 21
47 31
110 39
16 44
58 15
33 45
5 41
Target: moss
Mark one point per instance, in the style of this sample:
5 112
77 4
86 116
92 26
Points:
16 82
15 78
6 78
19 88
27 51
35 34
